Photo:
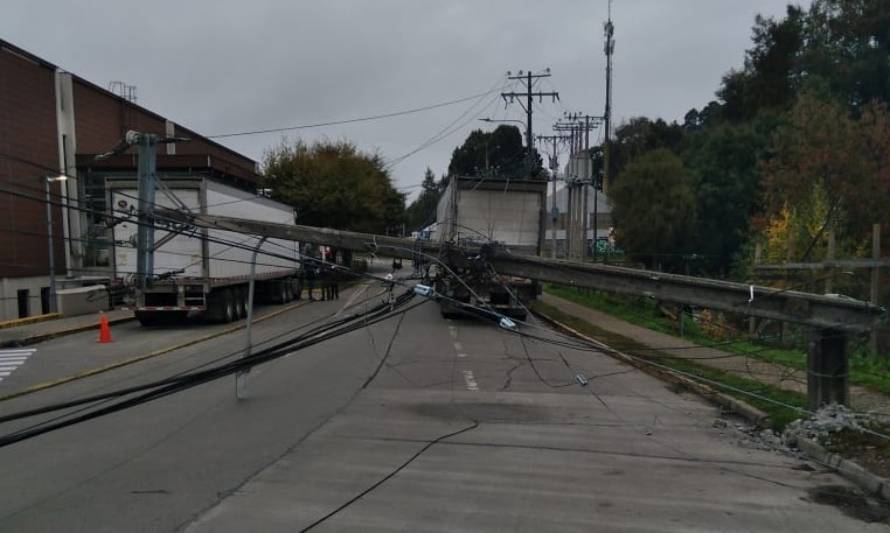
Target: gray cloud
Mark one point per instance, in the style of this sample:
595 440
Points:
219 66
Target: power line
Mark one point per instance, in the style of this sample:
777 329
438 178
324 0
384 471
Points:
449 129
351 120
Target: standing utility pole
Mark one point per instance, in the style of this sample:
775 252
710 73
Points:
607 116
528 78
145 178
554 168
578 178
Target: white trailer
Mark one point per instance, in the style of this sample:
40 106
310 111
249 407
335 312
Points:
201 271
508 212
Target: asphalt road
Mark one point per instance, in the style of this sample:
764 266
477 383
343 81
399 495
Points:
314 437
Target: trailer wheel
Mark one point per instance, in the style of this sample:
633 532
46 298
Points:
221 306
282 293
289 287
239 304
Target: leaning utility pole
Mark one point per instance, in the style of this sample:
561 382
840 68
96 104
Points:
607 116
528 77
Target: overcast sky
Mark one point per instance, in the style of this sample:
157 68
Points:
220 66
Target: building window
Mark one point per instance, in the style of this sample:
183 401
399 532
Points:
24 304
44 300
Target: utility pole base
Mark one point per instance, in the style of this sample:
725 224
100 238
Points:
827 365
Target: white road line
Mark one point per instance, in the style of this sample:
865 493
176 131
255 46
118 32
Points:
453 331
461 355
458 346
470 379
12 359
352 298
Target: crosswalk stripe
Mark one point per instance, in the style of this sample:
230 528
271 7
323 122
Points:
10 360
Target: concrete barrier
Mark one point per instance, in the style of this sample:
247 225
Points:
82 300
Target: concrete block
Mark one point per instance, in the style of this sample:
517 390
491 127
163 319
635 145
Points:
82 300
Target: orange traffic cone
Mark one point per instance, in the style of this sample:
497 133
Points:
104 329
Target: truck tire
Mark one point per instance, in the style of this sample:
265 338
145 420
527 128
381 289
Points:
147 318
289 287
281 293
220 306
239 303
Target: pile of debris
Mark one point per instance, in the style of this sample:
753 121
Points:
826 421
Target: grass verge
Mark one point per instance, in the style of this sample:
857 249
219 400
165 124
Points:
865 370
779 416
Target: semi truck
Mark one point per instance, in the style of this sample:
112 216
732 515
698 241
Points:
489 211
202 271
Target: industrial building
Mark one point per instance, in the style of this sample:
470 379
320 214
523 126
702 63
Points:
52 126
599 219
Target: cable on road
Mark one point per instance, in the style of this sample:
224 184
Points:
389 476
169 386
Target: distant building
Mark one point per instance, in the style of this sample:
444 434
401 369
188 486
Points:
603 212
54 123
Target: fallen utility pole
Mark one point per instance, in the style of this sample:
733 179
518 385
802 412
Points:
832 319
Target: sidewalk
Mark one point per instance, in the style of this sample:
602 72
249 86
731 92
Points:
747 367
40 331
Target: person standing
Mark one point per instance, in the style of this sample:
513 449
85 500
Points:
310 280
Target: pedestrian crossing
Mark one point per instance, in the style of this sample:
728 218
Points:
12 359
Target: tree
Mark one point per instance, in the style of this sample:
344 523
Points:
653 207
771 75
823 148
422 210
640 135
724 165
496 153
333 184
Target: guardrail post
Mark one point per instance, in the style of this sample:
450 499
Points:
827 368
241 375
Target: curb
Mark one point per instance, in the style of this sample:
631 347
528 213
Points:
854 473
34 339
29 320
733 405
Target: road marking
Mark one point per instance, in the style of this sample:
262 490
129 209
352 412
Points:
470 379
458 346
352 298
12 359
150 355
453 331
461 355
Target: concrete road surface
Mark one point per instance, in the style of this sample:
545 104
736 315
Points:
415 424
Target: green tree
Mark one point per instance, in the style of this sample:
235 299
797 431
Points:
724 165
640 135
333 184
771 74
496 153
653 208
422 210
